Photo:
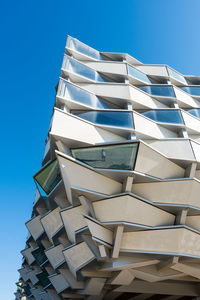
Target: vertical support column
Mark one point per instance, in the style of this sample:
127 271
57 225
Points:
117 241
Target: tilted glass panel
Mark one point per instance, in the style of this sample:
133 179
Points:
39 255
192 90
195 112
165 116
159 90
43 278
71 65
49 177
176 75
137 74
77 94
110 118
120 156
82 48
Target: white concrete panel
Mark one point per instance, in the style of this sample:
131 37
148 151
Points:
130 209
76 175
52 222
192 123
118 68
73 220
155 70
185 192
179 241
184 99
196 149
59 282
173 149
55 255
35 227
153 163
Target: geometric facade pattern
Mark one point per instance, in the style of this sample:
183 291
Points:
117 205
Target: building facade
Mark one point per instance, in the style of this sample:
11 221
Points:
117 205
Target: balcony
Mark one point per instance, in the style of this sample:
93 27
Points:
138 76
192 90
43 278
48 177
68 92
171 116
176 77
159 90
122 119
72 67
119 156
77 46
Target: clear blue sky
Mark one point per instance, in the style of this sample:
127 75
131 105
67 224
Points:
33 36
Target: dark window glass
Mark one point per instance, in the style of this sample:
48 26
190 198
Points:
110 118
120 156
49 177
39 255
43 278
79 95
192 90
165 116
27 290
195 112
159 90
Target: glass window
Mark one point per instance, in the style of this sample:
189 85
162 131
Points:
39 255
48 177
120 156
27 290
71 65
82 48
77 94
165 116
159 90
43 278
192 90
177 76
138 74
195 112
110 118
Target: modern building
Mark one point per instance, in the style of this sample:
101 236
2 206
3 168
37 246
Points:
117 205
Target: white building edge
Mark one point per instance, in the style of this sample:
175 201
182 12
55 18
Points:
117 206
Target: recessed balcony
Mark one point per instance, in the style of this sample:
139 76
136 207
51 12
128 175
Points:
39 255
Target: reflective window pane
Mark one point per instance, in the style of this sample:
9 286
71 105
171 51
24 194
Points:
159 90
27 290
165 116
195 112
110 118
121 157
192 90
39 255
177 76
84 49
49 177
71 65
137 74
77 94
43 278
